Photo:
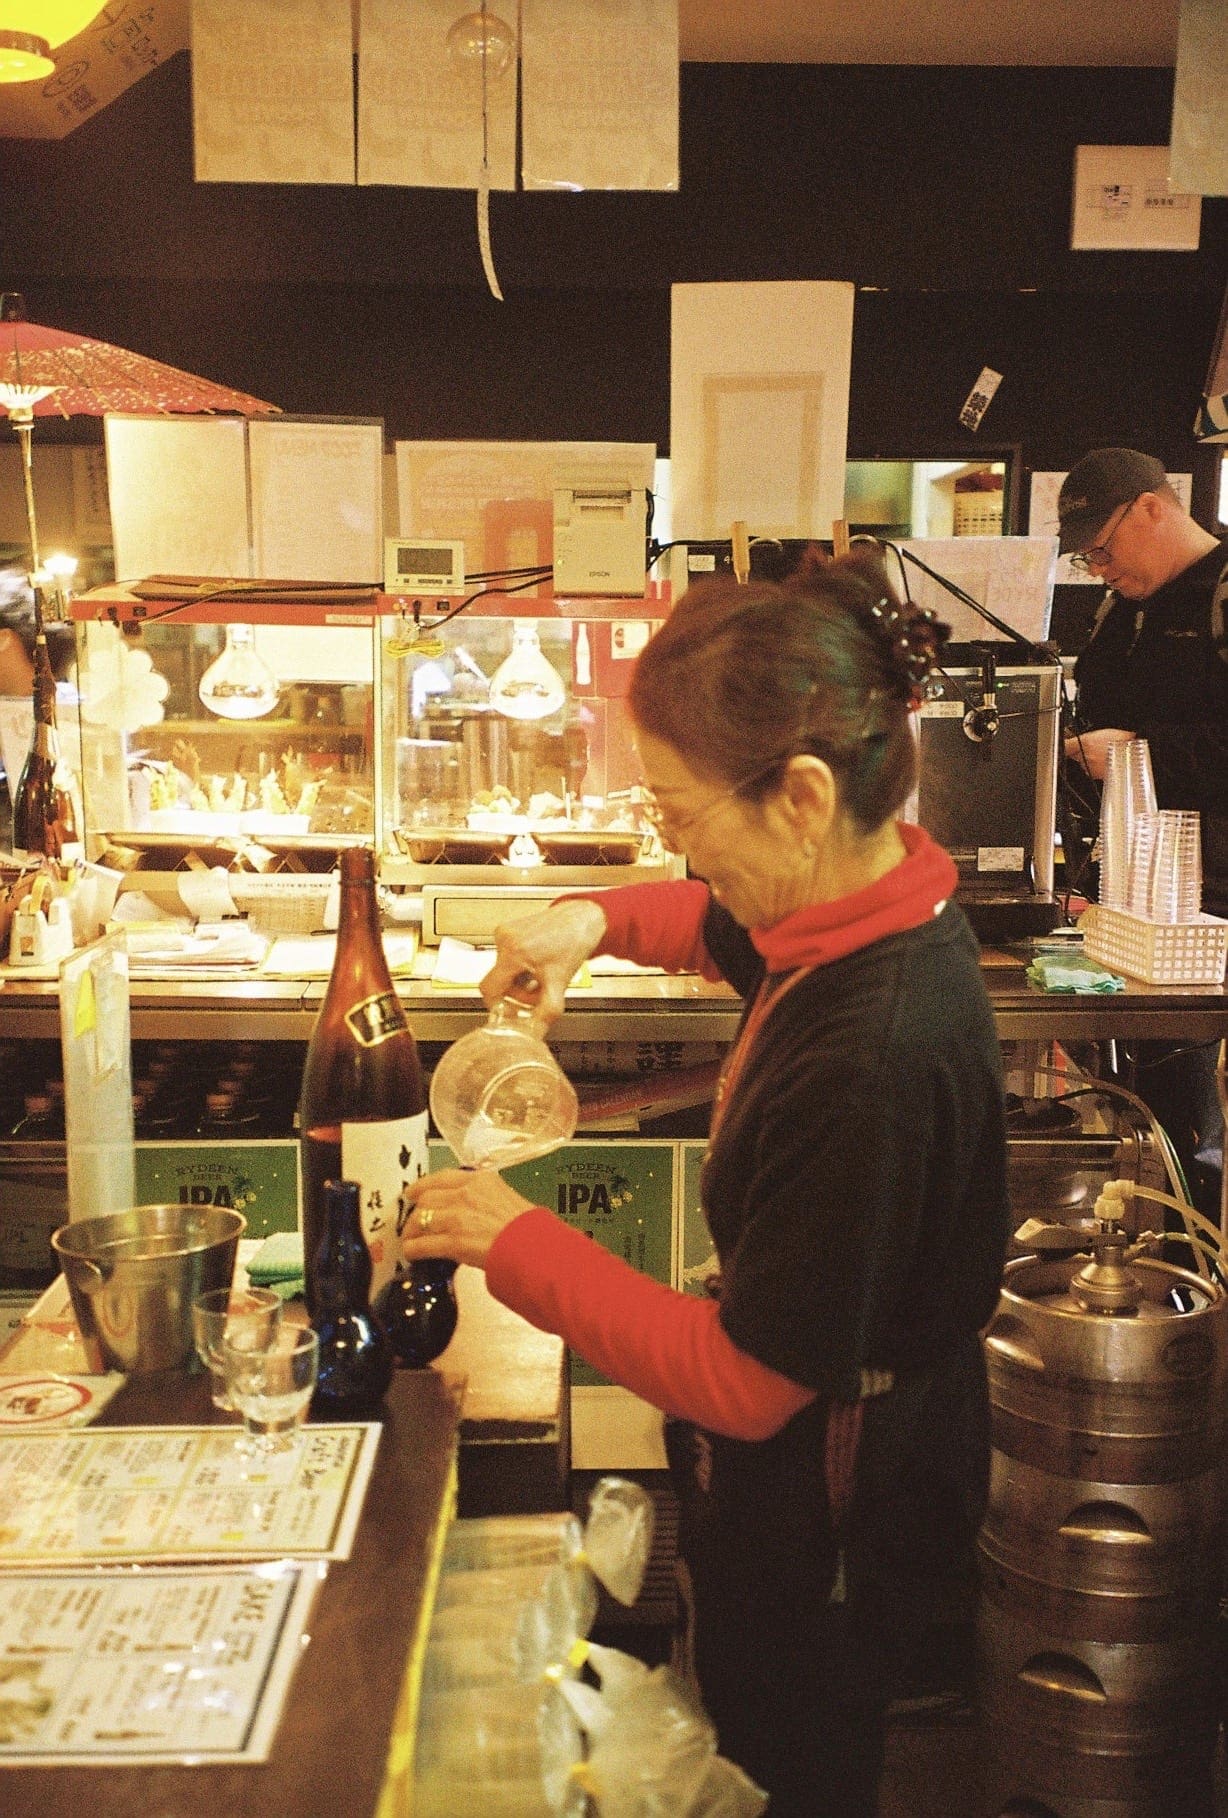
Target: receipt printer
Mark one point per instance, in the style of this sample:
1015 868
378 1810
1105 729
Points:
600 540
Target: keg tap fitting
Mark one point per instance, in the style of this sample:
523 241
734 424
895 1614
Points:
1107 1285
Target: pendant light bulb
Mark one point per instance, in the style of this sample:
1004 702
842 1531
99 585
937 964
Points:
525 686
482 37
24 57
239 685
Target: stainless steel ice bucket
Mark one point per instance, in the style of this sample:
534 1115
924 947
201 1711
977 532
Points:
133 1276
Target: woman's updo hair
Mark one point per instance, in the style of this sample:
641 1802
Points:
740 678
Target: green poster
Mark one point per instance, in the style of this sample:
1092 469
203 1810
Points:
697 1256
621 1194
258 1179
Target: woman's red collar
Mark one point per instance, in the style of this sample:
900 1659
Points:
907 896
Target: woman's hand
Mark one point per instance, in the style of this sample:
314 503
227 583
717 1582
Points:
458 1213
547 949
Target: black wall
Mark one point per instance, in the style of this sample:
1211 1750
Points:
944 194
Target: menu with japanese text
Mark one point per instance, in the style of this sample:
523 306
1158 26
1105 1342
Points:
153 1494
166 1666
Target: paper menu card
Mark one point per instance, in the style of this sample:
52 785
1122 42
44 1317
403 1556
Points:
155 1494
99 1667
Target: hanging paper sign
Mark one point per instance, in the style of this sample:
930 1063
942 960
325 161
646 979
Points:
600 105
273 91
424 114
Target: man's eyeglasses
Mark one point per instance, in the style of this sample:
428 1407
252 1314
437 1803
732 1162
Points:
1101 553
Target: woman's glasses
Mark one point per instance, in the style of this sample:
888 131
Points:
1101 553
671 827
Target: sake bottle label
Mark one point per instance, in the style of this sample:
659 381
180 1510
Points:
386 1158
376 1019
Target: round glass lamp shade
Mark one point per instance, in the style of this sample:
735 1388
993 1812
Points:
482 35
239 685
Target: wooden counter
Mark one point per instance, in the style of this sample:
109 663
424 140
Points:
345 1741
508 1379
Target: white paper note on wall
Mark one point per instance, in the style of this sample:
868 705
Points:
178 495
759 382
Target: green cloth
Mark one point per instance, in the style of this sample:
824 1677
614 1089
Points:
1072 972
278 1264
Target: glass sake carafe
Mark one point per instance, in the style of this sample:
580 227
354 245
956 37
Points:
498 1096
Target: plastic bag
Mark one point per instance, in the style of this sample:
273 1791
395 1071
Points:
618 1536
651 1750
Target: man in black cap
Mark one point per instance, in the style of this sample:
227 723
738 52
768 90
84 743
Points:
1156 667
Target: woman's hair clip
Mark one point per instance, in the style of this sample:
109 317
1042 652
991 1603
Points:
914 639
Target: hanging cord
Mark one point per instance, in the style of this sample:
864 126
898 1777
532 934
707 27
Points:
488 258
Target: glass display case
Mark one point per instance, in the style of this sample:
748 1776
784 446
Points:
482 753
251 745
507 759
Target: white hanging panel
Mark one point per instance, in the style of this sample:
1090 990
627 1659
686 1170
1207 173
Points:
759 384
273 91
420 104
600 82
1199 155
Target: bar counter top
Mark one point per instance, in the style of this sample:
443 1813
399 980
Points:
344 1743
646 1007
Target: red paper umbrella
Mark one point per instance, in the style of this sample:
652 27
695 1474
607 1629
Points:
85 378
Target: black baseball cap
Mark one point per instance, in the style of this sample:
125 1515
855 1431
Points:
1096 486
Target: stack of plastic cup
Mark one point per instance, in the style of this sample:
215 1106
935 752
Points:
1114 829
1176 867
1143 837
1129 796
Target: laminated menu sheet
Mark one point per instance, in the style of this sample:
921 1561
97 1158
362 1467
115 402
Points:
98 1668
151 1495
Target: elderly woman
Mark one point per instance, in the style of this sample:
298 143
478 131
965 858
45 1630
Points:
833 1464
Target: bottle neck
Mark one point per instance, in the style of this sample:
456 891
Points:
513 1013
44 684
360 948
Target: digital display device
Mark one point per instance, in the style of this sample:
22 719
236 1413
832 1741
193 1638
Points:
423 565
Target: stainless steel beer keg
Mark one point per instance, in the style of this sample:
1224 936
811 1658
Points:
1102 1547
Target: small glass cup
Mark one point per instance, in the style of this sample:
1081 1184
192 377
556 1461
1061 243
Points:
271 1384
224 1313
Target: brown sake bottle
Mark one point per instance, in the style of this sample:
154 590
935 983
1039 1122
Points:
362 1110
43 818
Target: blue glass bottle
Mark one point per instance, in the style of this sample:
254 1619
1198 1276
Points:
418 1311
356 1359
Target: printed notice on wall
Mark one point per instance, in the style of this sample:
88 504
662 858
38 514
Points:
99 1667
147 1494
1124 202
